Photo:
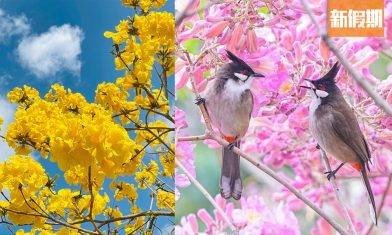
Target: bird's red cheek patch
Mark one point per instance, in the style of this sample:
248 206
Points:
229 139
357 166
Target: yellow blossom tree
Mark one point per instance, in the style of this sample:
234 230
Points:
124 139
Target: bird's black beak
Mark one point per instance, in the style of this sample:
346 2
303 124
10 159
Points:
306 87
258 75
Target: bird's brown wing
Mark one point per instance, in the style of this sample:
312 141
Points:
247 100
347 129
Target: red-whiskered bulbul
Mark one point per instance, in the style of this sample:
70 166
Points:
229 103
334 125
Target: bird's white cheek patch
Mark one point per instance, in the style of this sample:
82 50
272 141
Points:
321 93
241 76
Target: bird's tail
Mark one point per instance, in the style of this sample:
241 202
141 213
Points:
372 204
230 181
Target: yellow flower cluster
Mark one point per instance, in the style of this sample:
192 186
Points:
156 129
147 176
165 200
77 135
123 189
145 5
115 99
148 38
91 141
157 30
30 193
155 100
137 223
25 95
113 213
168 162
21 174
121 34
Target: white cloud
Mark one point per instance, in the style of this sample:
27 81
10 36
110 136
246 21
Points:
52 52
12 25
7 111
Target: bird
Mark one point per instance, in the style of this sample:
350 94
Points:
229 103
333 124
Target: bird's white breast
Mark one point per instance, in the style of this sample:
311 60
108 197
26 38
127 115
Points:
235 89
316 101
314 104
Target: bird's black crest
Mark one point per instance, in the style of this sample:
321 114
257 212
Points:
237 60
331 73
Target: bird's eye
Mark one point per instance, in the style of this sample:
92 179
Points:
244 72
321 87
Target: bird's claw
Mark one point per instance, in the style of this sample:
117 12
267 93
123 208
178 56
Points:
200 100
317 146
330 174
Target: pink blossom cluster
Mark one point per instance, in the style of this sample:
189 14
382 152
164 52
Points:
184 152
252 217
277 39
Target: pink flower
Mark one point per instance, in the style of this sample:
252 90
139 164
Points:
322 227
236 37
180 118
251 41
252 217
216 29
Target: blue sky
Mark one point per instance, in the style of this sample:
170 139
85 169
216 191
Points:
47 41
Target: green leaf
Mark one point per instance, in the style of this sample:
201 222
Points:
379 67
206 74
264 10
193 45
181 94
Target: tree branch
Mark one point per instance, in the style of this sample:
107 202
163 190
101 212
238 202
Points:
58 222
192 138
327 167
134 216
90 214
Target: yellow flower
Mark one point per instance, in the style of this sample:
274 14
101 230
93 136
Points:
165 200
64 199
148 175
168 163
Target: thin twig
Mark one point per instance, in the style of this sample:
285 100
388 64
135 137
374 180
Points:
349 177
327 167
167 116
205 194
58 222
90 188
192 138
349 68
141 128
130 217
5 197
